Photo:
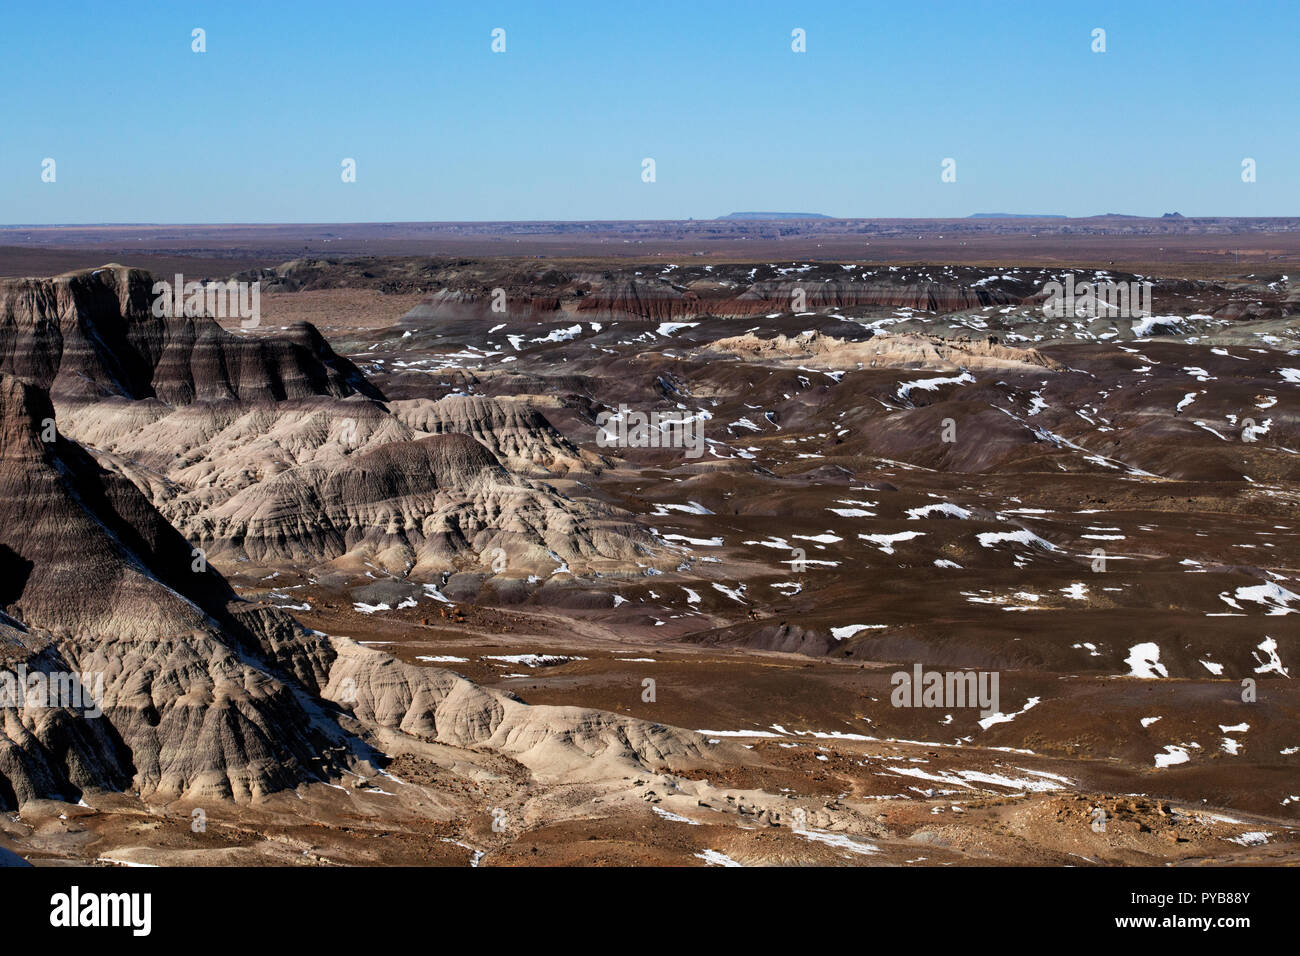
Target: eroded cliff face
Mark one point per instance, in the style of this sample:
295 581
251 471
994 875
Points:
91 335
513 430
886 351
416 507
664 297
192 693
414 489
101 585
274 448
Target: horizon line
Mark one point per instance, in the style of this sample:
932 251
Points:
725 218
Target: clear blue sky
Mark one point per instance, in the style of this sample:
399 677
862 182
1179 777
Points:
254 130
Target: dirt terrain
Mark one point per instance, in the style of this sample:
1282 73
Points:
1192 247
412 528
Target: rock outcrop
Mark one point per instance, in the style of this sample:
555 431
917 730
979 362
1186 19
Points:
89 335
183 691
514 431
726 292
273 447
886 351
420 507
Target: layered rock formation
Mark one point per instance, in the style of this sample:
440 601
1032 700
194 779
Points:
663 298
89 335
277 449
514 431
419 506
192 693
101 585
312 481
891 351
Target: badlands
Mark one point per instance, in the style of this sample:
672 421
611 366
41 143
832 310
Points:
363 586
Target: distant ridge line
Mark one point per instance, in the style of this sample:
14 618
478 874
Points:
776 215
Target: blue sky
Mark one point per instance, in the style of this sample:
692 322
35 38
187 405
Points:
441 128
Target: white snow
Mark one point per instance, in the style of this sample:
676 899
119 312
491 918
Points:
943 507
1023 536
841 633
675 817
1173 755
1144 661
532 660
886 542
1271 595
734 594
840 841
714 858
1001 718
1274 663
931 384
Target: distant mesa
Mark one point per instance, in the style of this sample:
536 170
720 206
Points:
1172 215
1014 215
776 215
